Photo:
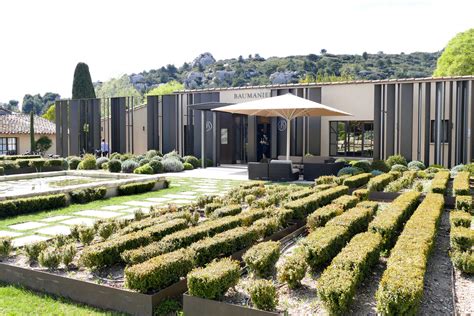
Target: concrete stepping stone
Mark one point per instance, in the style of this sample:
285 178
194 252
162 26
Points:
207 190
55 218
27 226
178 201
79 221
130 210
31 239
114 207
128 216
159 199
6 233
179 196
188 193
139 203
55 230
99 214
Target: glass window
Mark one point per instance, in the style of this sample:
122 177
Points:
351 138
8 146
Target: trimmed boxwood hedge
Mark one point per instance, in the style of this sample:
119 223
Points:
389 224
356 219
463 260
461 183
262 257
460 218
228 210
357 180
461 238
87 195
337 284
401 287
136 188
215 279
151 221
379 182
440 182
464 203
346 201
322 215
32 204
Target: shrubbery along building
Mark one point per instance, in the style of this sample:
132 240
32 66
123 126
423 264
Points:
426 119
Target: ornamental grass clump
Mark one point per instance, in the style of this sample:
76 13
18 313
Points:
401 287
6 246
263 295
461 183
293 269
262 257
215 279
49 258
32 251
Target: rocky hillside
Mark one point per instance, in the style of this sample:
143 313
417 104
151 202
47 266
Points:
205 71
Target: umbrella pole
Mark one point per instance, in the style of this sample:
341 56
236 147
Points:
288 136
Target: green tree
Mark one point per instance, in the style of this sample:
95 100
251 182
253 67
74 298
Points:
50 114
43 144
82 87
118 87
12 105
166 88
32 103
457 58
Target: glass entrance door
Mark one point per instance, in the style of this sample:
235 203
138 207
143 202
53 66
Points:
241 140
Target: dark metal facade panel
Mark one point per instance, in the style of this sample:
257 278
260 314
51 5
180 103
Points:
118 112
95 122
390 120
170 123
252 138
153 121
377 121
314 125
75 132
197 133
406 120
427 120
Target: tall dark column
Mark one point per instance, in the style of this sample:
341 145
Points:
390 120
314 125
406 120
252 138
377 121
118 125
153 121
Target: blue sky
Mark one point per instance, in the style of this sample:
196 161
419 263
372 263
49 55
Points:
41 41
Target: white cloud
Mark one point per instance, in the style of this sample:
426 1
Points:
41 41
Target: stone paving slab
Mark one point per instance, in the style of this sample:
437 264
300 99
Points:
128 216
179 196
31 239
187 193
160 199
178 201
114 207
131 210
55 230
55 218
206 190
79 221
99 214
5 233
27 226
139 203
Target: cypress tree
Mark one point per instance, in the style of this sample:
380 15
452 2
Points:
32 132
82 87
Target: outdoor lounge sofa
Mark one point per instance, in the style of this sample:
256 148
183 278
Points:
258 170
282 170
316 166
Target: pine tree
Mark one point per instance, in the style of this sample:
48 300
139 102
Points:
82 87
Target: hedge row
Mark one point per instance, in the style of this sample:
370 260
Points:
215 279
461 183
136 188
379 182
108 252
337 284
15 157
306 205
461 238
463 260
440 182
300 194
389 224
262 257
324 243
346 201
357 180
322 215
188 236
227 210
401 288
460 219
87 195
151 221
32 204
464 203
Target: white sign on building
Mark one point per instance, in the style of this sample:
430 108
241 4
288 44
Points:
244 95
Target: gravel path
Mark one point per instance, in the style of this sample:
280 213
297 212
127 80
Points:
438 295
464 293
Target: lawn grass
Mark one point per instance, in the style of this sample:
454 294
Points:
19 301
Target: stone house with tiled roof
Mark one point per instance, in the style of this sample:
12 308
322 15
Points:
15 132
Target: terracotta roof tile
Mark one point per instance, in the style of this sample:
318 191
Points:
20 124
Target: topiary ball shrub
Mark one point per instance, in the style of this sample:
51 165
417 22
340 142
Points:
125 157
459 168
362 165
416 165
262 257
344 160
396 160
192 160
115 165
172 164
209 163
145 169
172 154
399 168
380 165
152 153
188 166
349 171
376 172
156 165
49 258
6 246
115 156
263 295
143 161
100 162
32 251
88 162
293 270
128 166
73 162
69 251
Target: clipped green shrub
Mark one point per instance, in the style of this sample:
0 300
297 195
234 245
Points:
82 196
379 182
192 160
266 226
346 201
211 207
106 229
464 203
9 165
399 168
143 162
2 171
263 295
463 260
100 162
396 160
361 194
380 165
402 182
322 187
357 180
262 257
188 166
356 219
228 210
349 171
32 204
401 287
49 258
144 169
23 163
152 153
461 238
460 218
6 246
160 271
215 279
88 162
128 166
37 163
325 180
171 164
440 182
322 215
209 163
416 165
156 165
363 165
461 183
136 188
293 270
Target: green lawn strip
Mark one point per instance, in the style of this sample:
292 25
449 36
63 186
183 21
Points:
18 301
97 205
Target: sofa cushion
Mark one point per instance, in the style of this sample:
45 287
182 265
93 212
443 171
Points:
315 159
297 160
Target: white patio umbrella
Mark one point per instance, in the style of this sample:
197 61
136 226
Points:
287 106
